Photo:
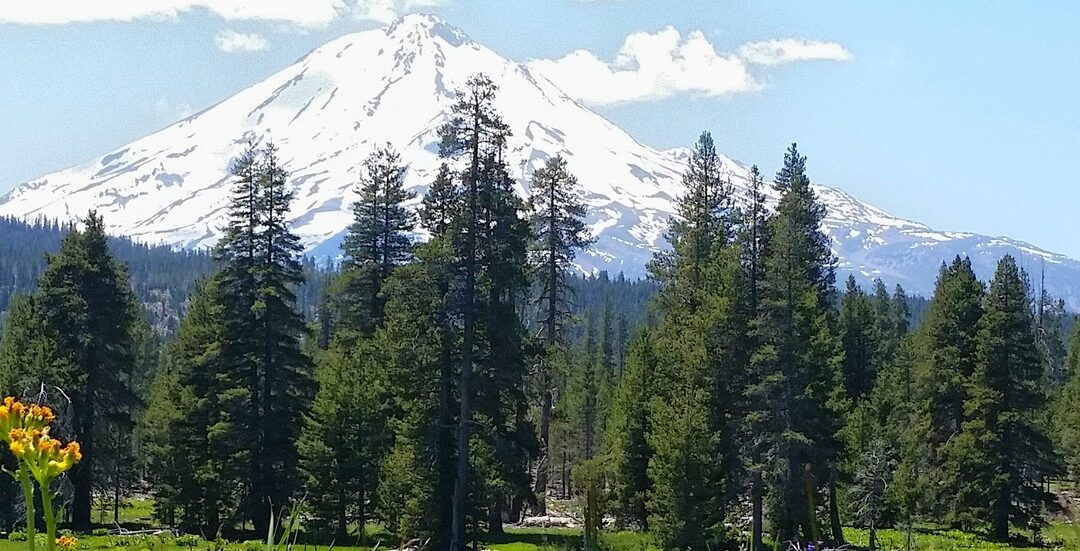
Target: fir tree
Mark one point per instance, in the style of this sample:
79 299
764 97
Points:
89 319
753 243
194 468
378 239
1002 455
344 436
266 373
857 324
489 239
946 360
627 432
559 231
795 367
699 301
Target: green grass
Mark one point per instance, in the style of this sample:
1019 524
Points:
133 512
1056 536
1059 536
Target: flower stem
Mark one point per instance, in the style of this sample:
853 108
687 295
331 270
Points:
28 497
50 517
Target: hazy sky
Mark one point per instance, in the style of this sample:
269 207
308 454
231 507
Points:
961 115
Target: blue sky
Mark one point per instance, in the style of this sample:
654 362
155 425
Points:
961 115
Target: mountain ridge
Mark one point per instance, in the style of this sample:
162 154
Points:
394 85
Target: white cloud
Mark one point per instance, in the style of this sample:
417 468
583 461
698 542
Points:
308 13
228 40
649 66
663 64
386 11
785 50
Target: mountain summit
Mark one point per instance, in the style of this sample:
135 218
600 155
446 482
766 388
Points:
331 108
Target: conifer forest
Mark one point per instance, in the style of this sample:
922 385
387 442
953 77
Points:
450 379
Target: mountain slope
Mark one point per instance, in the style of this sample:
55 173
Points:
327 111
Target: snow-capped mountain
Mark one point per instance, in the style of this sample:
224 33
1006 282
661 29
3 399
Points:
331 108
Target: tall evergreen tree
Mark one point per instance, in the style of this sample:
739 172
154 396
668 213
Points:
691 420
88 318
627 432
490 241
193 466
858 335
753 243
795 367
945 364
559 232
378 239
343 439
266 372
1002 456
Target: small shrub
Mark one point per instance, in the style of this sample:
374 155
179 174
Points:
100 532
17 536
187 540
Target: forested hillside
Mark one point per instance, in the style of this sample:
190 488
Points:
739 398
161 277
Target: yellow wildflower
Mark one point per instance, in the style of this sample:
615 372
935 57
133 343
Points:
66 542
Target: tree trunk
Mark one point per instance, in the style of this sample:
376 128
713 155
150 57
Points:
495 522
756 514
834 509
458 540
82 474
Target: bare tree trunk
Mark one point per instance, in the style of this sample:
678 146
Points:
756 522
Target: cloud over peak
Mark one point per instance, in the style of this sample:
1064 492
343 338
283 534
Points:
228 40
662 64
785 50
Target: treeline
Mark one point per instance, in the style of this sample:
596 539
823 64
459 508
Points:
447 387
161 277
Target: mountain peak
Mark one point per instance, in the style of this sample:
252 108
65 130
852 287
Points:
420 26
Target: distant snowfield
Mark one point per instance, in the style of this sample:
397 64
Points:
395 85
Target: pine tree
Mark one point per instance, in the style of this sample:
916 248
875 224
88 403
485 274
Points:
193 464
699 301
343 439
378 239
88 318
753 243
1066 416
945 363
265 371
857 324
490 241
418 340
1002 455
795 368
559 231
628 428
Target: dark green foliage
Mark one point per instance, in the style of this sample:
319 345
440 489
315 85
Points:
1002 456
559 231
795 371
241 366
945 363
627 431
861 337
692 411
344 437
377 242
79 333
193 466
1066 415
